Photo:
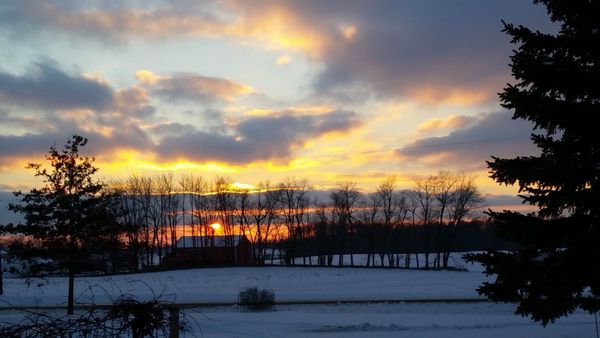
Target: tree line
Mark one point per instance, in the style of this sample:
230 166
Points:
291 221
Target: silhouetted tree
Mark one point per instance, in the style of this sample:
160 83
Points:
465 198
344 200
424 193
67 221
294 203
556 269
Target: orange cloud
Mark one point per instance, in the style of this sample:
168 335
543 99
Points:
274 27
278 27
450 122
283 60
348 31
450 96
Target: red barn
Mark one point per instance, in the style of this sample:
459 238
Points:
210 251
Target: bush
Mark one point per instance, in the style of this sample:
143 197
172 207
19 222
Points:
254 299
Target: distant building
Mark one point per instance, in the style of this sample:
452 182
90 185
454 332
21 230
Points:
193 251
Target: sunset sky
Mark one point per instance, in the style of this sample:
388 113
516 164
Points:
329 90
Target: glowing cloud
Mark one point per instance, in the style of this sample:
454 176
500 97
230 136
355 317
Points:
283 60
348 31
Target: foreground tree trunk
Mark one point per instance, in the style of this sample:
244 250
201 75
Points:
70 297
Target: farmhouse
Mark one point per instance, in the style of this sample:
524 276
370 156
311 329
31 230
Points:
210 251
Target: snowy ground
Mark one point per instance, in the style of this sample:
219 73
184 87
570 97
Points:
433 320
222 285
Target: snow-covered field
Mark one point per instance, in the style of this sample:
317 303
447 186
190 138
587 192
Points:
222 285
433 320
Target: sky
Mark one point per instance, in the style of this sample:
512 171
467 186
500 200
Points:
329 90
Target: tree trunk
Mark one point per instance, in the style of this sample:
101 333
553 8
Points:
70 307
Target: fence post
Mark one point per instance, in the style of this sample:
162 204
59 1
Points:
173 322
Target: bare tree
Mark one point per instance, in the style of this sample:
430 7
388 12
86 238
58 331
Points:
389 205
369 208
262 215
425 196
344 200
222 202
243 211
294 204
402 230
444 188
201 211
129 202
465 199
412 206
324 234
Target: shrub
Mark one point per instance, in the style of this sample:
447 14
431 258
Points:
254 299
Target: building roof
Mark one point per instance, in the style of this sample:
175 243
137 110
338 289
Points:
211 241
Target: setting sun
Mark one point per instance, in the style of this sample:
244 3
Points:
215 226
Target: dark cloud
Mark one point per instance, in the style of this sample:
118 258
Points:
196 87
434 50
171 129
32 147
46 86
252 139
111 21
134 102
496 134
256 138
16 122
405 48
24 145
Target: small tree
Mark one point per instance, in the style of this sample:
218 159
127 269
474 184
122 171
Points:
67 221
556 268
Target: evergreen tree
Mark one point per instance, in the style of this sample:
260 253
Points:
68 222
556 268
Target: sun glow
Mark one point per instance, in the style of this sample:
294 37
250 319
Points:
215 226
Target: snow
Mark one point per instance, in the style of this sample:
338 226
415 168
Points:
385 320
305 284
222 285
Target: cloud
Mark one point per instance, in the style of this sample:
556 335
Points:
495 134
271 26
252 139
450 122
507 202
110 22
48 87
255 138
15 122
423 50
33 146
283 60
134 102
188 86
